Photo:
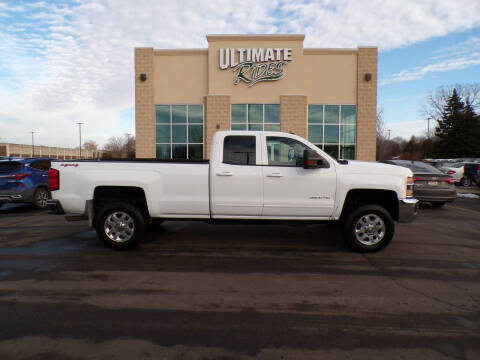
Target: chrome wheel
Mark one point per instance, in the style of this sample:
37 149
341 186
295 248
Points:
370 229
119 227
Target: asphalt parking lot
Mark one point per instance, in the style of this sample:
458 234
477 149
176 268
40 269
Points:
194 290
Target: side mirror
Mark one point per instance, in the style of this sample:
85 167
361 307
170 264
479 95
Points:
311 160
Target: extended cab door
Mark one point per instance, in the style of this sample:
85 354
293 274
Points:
235 177
289 189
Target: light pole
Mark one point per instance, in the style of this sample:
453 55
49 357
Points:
428 127
33 146
80 136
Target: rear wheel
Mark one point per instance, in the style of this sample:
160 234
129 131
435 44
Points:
369 228
120 226
40 198
438 204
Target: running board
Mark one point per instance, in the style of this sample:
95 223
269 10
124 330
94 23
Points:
76 217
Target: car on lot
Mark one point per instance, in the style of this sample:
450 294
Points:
429 183
457 171
24 181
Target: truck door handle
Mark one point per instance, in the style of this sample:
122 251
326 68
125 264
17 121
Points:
225 173
275 174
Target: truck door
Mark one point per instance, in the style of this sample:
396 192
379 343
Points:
289 189
236 179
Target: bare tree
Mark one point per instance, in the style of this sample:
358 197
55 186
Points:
433 106
119 147
90 145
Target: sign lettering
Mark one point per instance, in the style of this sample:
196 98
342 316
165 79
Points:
253 65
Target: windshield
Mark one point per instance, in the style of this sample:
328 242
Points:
10 166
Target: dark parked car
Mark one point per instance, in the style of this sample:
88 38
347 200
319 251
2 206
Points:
24 181
429 184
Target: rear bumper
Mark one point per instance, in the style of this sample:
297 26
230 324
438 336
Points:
407 210
11 195
55 207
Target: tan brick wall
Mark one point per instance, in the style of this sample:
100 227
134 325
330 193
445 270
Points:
293 114
217 118
366 104
144 106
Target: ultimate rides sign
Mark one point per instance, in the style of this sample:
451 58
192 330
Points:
254 65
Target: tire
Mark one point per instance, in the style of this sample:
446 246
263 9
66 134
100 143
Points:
120 226
438 204
40 197
372 218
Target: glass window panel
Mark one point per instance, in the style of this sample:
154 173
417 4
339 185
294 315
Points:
331 114
195 152
195 114
255 113
163 151
239 126
239 113
179 133
347 152
255 127
284 151
272 113
331 134
348 114
239 150
332 150
315 133
195 133
163 134
179 151
179 114
315 114
347 134
272 127
162 114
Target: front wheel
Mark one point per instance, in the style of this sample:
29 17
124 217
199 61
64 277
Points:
369 228
120 226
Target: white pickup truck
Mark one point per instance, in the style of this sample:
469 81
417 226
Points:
251 176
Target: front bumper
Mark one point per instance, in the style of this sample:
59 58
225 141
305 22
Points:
407 210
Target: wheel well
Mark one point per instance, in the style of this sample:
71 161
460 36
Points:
103 195
385 198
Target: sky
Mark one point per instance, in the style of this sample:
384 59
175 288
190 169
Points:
64 62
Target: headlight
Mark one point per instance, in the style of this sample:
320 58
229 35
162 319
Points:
409 186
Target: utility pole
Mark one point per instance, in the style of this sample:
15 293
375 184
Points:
33 146
80 137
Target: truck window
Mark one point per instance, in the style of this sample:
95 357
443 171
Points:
284 151
239 150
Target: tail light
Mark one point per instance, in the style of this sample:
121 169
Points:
53 179
19 176
415 179
450 180
451 172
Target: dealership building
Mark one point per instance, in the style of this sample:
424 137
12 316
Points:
255 82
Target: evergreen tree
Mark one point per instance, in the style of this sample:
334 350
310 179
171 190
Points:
458 130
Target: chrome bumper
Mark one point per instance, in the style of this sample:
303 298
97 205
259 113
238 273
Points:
407 209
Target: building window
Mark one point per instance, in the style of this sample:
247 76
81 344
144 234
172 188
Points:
260 117
179 131
332 128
